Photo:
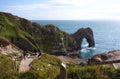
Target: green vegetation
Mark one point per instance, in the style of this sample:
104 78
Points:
7 70
52 38
47 38
93 72
10 29
47 67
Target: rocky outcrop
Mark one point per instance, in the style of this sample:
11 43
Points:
105 57
48 38
82 33
7 48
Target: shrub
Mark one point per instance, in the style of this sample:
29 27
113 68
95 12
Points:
47 66
29 75
90 72
7 70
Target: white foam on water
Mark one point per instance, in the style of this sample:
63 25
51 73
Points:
88 49
84 50
85 45
91 48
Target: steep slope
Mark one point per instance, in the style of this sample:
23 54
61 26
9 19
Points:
7 48
10 30
48 38
32 36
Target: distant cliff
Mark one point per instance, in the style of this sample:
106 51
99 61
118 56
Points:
49 39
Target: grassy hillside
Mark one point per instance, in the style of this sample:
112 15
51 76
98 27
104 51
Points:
11 31
7 70
46 67
47 64
31 36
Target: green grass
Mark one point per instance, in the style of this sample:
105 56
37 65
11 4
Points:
7 70
52 37
10 30
47 67
14 28
93 72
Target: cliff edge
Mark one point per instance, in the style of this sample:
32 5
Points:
48 38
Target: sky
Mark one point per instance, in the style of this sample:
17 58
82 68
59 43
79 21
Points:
63 9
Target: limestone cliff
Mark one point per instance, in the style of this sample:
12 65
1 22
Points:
84 33
48 38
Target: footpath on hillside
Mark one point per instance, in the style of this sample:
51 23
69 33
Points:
25 64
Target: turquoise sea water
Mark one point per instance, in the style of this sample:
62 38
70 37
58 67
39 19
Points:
106 34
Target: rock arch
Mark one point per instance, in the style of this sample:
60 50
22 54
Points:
82 33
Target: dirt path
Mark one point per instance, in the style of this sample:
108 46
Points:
24 65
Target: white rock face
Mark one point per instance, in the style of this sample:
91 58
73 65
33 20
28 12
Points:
9 49
24 65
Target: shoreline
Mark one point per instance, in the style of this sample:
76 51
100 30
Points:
106 57
67 60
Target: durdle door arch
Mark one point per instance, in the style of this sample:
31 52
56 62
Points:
82 33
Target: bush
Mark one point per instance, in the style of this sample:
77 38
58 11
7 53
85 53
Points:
47 66
7 70
29 75
116 74
90 72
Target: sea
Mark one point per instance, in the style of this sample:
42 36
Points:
106 34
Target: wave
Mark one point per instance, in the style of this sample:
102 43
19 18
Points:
88 49
85 45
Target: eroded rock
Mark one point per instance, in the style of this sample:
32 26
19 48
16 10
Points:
82 33
106 57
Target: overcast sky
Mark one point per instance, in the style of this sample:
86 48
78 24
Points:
63 9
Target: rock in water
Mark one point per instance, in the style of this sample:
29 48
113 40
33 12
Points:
82 33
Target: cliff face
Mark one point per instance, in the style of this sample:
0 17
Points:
32 36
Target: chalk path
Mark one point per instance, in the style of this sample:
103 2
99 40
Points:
24 65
